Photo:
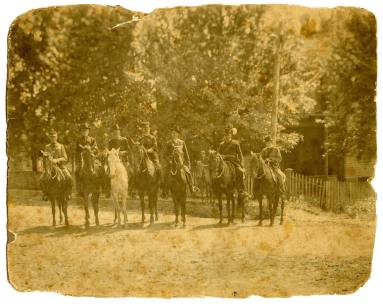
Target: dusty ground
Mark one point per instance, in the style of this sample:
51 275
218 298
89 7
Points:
312 253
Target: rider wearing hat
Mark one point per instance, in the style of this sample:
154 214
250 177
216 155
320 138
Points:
83 142
272 156
59 158
149 142
230 150
175 143
119 142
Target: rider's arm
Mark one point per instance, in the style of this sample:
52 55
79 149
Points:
63 156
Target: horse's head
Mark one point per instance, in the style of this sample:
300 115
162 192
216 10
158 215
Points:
87 158
256 164
113 159
215 164
47 162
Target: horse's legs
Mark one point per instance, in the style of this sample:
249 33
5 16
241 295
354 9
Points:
116 209
234 207
155 199
260 199
228 208
53 211
219 196
275 206
59 204
115 215
270 201
183 207
86 207
176 207
95 198
124 207
282 208
151 206
232 202
242 204
64 206
142 200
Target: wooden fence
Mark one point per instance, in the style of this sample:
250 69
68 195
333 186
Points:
327 193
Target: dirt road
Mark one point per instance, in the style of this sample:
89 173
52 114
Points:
310 254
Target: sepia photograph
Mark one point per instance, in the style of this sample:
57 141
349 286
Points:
191 151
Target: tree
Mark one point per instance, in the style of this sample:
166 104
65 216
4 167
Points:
349 84
213 65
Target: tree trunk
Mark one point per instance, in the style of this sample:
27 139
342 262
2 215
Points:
274 119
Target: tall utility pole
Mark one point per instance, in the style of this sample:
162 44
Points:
274 113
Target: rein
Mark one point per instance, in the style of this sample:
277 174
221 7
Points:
223 167
176 170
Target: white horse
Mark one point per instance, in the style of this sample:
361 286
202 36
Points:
118 184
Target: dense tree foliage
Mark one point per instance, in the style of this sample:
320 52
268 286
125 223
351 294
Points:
201 68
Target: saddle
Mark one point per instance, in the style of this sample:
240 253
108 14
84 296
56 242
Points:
280 182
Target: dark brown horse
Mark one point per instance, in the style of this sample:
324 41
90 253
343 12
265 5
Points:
204 182
177 183
265 185
146 181
54 184
91 178
223 182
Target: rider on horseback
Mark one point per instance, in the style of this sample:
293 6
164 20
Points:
59 158
149 142
231 151
83 143
272 156
179 145
119 142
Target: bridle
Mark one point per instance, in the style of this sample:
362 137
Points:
47 158
174 161
91 160
219 156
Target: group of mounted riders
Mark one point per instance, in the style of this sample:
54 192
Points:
228 152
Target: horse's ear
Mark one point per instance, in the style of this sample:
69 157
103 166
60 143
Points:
118 150
252 153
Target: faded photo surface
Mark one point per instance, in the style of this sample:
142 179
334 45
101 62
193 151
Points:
216 150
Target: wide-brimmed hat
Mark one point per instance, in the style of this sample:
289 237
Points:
229 129
85 126
175 128
145 124
52 132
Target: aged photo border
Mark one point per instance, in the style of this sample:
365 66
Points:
9 11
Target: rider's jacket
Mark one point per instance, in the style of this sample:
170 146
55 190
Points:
149 141
58 153
231 150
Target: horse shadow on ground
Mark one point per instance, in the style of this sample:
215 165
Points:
60 231
210 226
161 226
